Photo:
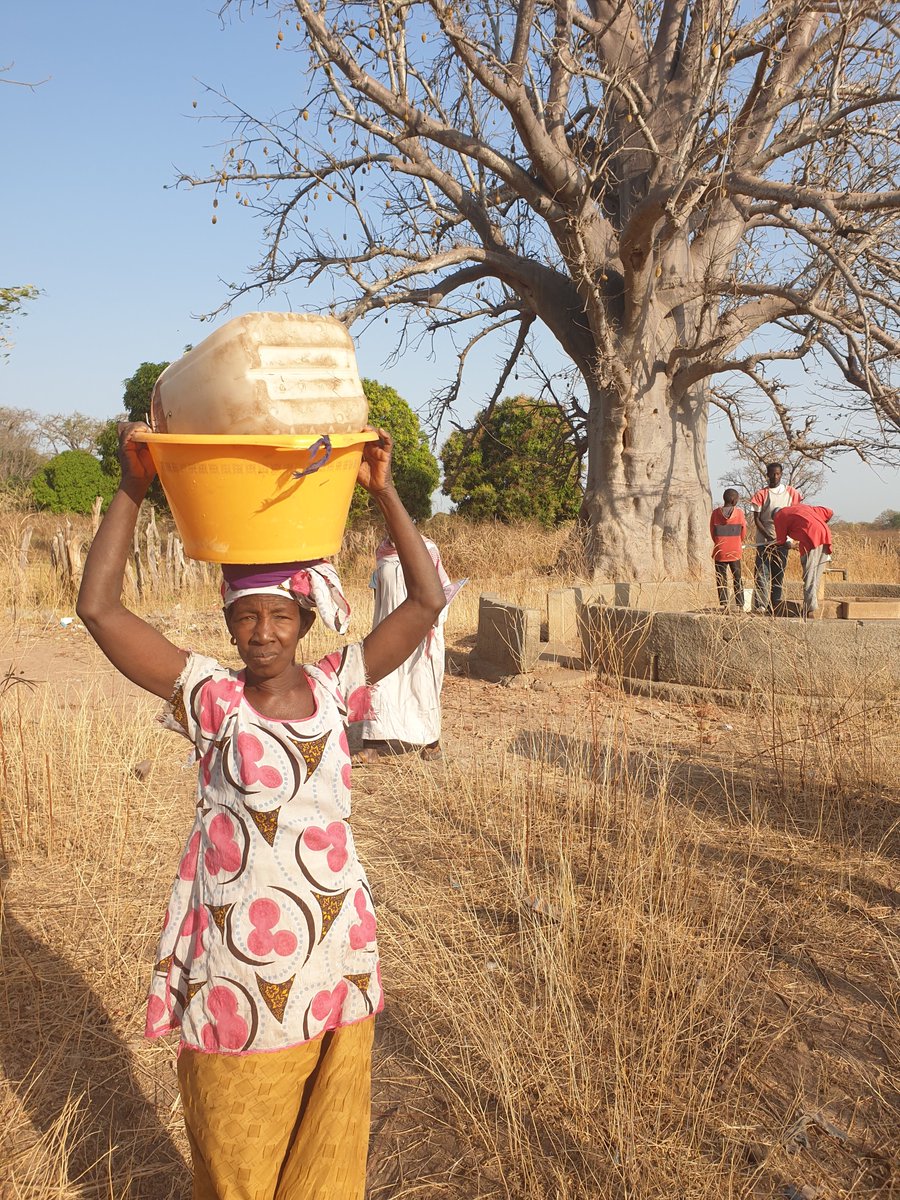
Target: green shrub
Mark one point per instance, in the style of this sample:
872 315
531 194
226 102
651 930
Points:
70 482
414 468
517 462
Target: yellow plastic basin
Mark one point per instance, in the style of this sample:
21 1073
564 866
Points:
240 500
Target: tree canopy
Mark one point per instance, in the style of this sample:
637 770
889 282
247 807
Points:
139 389
688 197
516 462
11 301
136 399
70 482
415 469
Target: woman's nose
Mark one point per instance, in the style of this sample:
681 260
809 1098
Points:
263 630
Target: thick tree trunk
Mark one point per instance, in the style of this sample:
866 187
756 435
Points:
647 499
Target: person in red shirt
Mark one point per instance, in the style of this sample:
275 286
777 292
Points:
728 528
807 525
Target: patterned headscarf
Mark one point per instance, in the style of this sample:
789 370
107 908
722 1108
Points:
314 585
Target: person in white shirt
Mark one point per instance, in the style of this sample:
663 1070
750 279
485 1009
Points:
771 558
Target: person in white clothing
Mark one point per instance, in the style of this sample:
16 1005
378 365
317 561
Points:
771 558
406 705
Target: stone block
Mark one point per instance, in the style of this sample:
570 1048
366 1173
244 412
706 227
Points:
509 636
663 596
842 590
869 610
562 617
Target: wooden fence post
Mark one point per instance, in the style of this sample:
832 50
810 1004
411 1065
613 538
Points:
23 547
65 558
153 543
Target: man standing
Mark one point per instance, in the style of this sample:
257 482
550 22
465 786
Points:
807 525
770 557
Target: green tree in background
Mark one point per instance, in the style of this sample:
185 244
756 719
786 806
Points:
139 388
415 469
516 462
136 399
108 447
70 482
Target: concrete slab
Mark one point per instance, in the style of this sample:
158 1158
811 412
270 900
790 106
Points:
560 654
745 653
869 610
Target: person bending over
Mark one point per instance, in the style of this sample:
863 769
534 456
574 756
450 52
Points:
807 525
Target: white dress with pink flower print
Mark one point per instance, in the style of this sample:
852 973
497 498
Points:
269 938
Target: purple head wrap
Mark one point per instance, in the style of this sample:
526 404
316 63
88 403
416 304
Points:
314 585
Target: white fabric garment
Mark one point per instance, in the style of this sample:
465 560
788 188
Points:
407 703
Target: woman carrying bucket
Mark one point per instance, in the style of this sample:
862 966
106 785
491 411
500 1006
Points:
267 963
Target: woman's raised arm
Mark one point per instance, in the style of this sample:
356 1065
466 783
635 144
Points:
138 650
393 640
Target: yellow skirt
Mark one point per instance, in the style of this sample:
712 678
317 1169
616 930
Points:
287 1125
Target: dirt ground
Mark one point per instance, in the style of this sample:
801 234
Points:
834 983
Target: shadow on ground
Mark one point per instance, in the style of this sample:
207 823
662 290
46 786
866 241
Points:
118 1147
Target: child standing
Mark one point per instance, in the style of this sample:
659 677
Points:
728 528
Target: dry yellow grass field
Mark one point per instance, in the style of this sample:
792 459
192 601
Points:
632 949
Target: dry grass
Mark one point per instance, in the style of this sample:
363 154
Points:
632 950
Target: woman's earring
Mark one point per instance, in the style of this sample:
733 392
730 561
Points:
233 640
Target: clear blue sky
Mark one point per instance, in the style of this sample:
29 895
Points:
126 261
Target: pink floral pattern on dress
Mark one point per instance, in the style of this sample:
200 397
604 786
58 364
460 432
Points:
330 663
188 867
250 748
328 1006
228 1030
333 839
159 1017
264 915
194 926
359 705
243 934
224 854
217 699
363 933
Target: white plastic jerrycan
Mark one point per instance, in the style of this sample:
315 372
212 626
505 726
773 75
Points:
264 373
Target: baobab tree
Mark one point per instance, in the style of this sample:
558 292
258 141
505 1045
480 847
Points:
684 195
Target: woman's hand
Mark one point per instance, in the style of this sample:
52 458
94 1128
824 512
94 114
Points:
134 457
375 468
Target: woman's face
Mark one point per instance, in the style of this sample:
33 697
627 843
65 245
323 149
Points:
266 630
